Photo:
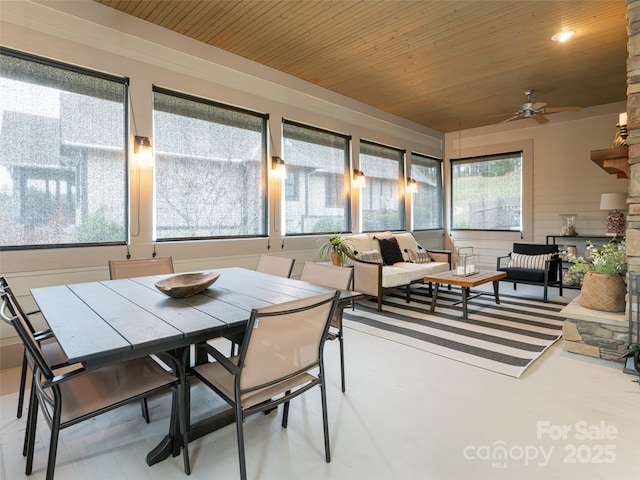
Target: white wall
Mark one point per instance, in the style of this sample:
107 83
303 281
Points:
564 179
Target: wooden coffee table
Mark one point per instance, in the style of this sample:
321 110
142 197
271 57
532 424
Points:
466 283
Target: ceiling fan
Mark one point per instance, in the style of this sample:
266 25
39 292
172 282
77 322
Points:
536 110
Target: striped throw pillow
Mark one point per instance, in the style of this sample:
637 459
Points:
529 262
370 256
418 256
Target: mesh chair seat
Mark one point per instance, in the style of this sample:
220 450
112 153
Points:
217 375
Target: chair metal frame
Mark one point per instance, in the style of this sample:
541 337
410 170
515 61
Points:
50 390
266 394
50 347
334 277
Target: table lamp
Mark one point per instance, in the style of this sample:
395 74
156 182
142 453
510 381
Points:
614 202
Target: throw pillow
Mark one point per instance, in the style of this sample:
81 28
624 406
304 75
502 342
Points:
418 256
370 256
529 262
407 242
390 251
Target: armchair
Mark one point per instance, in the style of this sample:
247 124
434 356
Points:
533 264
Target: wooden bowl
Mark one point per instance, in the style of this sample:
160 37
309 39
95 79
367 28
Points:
186 284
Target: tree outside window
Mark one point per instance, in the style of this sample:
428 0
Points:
210 169
486 192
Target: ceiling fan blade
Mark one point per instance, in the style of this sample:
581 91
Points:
538 105
502 114
540 118
515 117
561 109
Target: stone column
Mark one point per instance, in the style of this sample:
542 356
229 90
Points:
633 139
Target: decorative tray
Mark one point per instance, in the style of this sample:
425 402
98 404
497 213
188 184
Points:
186 284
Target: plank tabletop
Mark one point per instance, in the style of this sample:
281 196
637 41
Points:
98 322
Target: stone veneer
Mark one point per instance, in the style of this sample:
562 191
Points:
593 332
633 139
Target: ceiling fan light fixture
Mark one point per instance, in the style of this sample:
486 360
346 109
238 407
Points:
563 36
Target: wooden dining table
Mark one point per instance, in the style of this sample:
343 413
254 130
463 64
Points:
106 322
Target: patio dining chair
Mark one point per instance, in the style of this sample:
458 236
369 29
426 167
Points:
280 358
334 277
69 398
142 267
49 345
281 266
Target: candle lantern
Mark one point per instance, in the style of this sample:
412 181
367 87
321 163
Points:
465 264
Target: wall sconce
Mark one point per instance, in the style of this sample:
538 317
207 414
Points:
142 149
412 185
359 180
279 168
614 202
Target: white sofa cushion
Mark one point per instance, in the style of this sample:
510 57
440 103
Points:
360 242
393 276
417 271
406 241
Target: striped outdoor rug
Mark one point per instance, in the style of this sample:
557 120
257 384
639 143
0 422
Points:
504 338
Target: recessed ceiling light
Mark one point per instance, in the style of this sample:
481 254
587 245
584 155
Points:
563 36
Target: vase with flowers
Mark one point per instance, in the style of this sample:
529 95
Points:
603 284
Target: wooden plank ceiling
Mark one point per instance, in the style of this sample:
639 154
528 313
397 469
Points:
442 64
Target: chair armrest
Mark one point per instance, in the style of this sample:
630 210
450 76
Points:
66 375
43 335
367 277
440 255
500 261
221 358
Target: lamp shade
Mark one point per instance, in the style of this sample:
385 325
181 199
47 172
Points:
613 201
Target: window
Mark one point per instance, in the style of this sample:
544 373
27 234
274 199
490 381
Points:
428 200
382 201
486 192
210 169
63 168
317 184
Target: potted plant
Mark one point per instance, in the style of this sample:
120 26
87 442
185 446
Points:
336 250
603 286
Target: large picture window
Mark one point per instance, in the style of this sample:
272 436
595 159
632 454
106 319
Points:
486 192
382 199
317 186
63 170
428 200
210 170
